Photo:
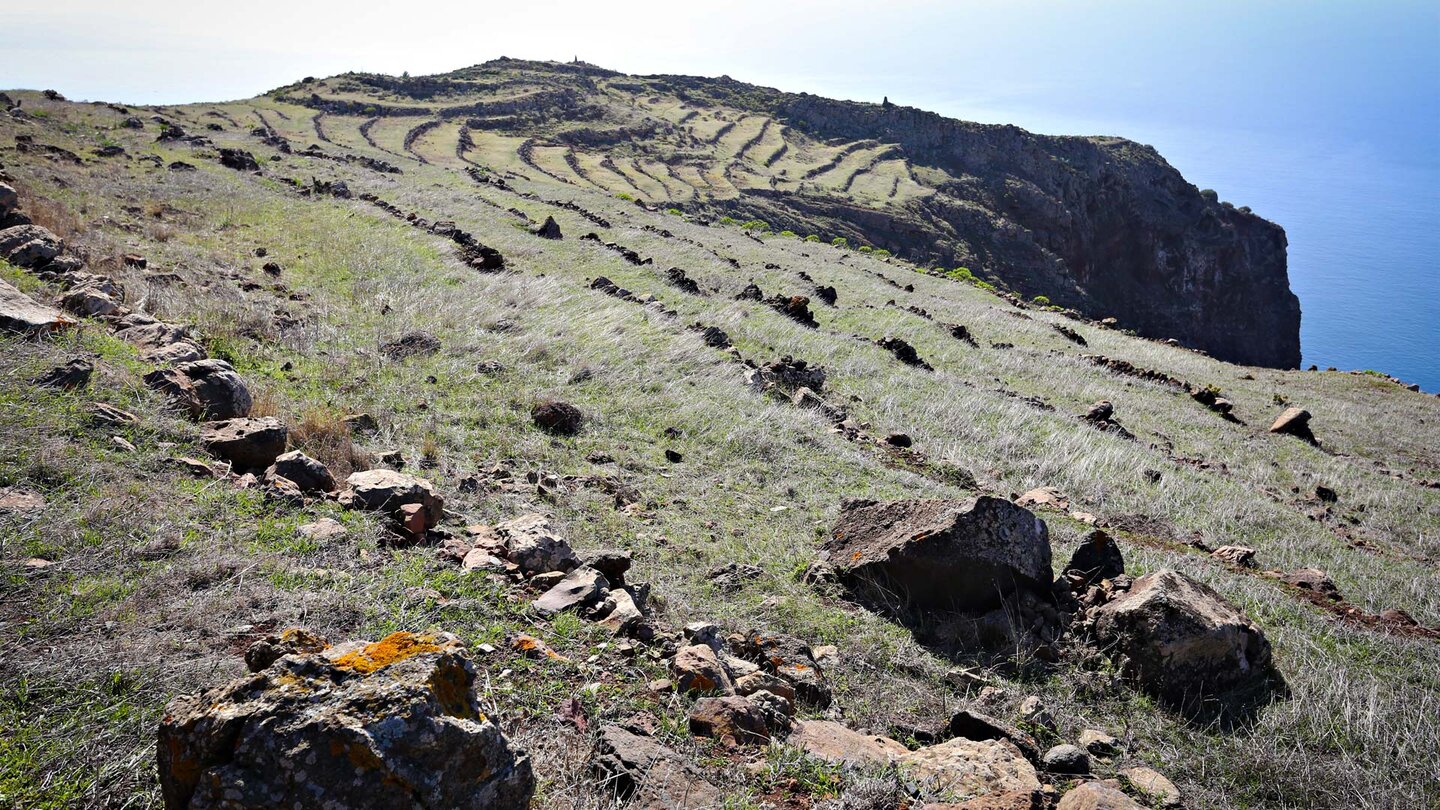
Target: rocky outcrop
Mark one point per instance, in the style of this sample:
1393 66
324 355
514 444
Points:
20 313
394 724
939 554
1102 225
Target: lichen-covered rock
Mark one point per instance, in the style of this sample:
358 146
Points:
392 724
246 443
792 660
941 554
1181 640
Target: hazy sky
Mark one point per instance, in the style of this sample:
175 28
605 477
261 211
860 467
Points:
1067 63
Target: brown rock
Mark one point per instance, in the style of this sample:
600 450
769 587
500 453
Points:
1182 640
307 473
20 313
1294 422
697 669
388 490
245 443
74 374
561 418
838 745
581 588
941 554
960 769
532 543
1150 784
649 776
730 719
1235 555
1096 796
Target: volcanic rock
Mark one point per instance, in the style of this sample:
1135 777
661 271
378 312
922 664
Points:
245 443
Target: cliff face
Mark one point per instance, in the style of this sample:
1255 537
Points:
1103 225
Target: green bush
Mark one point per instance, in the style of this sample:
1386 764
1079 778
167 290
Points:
675 212
626 197
840 241
812 238
881 252
727 220
1041 300
961 274
756 225
866 249
787 233
985 285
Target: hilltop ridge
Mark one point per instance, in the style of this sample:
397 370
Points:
1097 224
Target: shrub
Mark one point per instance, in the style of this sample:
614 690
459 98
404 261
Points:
1041 300
961 274
626 197
676 212
840 242
726 220
812 238
1210 195
788 233
985 285
756 225
881 252
866 249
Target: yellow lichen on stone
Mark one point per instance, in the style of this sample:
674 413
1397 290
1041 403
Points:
394 648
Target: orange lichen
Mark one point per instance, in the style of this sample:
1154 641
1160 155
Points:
392 649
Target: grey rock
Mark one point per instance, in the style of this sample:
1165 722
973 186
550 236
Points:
1066 759
245 443
581 588
307 473
21 313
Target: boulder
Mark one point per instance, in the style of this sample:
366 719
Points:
1152 785
388 491
960 769
733 720
410 345
838 745
561 418
1294 422
899 439
1181 640
245 443
74 374
89 302
206 388
239 160
21 313
790 659
29 246
391 724
549 230
1236 555
941 554
697 668
649 776
974 725
182 351
307 473
1099 743
1312 580
533 544
613 563
1096 796
9 199
1098 558
1066 759
625 615
581 588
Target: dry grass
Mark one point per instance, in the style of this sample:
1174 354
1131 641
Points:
176 564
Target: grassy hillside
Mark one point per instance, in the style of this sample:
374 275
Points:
138 581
